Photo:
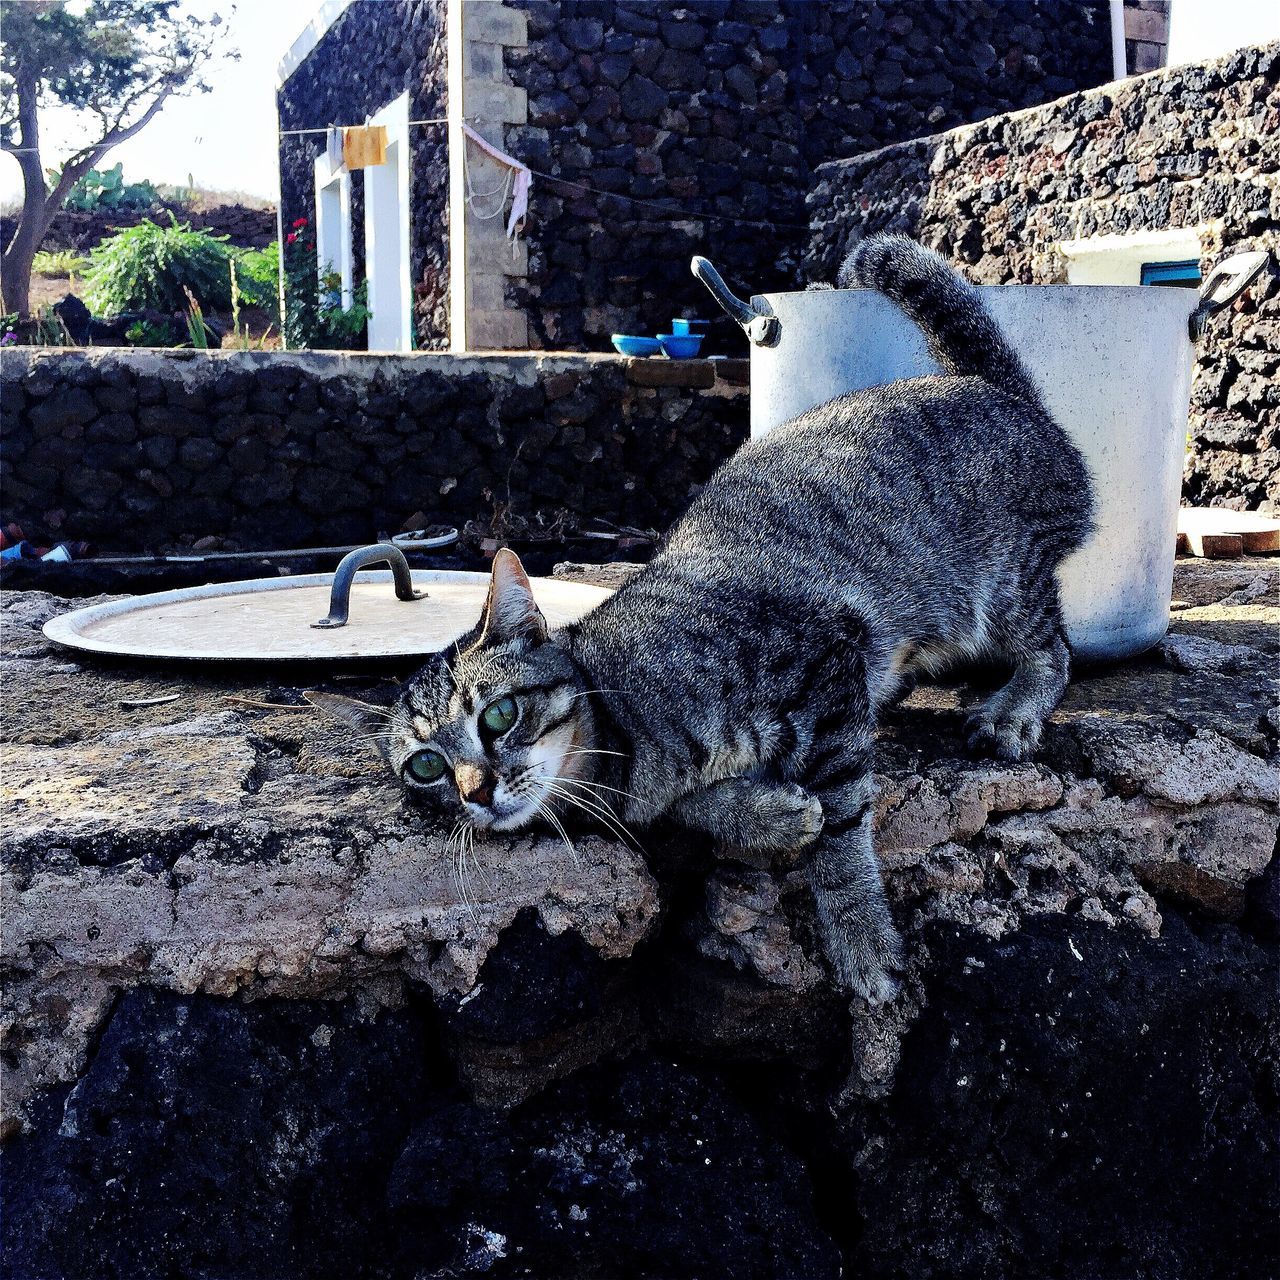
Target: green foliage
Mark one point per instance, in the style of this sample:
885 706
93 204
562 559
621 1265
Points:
49 330
314 315
107 189
109 57
198 333
258 275
150 267
59 262
145 333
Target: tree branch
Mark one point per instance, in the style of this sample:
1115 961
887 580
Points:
87 157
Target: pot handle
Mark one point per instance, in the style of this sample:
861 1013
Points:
760 327
345 574
1225 283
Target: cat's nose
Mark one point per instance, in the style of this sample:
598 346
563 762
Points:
475 783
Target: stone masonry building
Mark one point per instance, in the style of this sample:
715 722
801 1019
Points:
653 130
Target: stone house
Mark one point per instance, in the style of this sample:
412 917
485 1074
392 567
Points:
654 130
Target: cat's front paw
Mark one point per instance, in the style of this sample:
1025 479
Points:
792 816
866 959
1007 735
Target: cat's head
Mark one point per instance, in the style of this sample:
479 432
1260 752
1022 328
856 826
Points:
490 729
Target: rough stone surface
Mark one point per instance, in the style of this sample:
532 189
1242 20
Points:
697 129
239 971
265 449
370 56
1193 146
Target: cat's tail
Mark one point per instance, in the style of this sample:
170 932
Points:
962 337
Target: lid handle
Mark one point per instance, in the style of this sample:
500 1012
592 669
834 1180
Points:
1226 282
345 574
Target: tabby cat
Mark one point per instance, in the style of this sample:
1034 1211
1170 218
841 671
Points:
733 684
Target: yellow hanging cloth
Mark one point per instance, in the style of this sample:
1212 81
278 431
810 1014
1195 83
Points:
364 146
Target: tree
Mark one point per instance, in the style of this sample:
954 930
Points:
114 61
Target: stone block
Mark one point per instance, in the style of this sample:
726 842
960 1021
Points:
497 331
495 103
491 22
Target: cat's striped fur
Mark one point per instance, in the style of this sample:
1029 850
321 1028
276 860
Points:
896 529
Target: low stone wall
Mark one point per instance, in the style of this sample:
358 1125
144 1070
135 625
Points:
1191 147
146 451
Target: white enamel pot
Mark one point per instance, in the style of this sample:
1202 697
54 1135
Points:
1113 364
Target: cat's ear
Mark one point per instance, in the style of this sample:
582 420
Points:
364 717
511 611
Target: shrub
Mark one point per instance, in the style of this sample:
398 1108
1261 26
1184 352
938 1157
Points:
58 262
149 267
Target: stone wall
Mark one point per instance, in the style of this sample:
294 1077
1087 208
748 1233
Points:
697 129
150 450
368 58
83 229
1190 147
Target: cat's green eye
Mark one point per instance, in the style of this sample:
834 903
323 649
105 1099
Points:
499 716
425 766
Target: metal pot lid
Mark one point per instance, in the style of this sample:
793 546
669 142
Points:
277 619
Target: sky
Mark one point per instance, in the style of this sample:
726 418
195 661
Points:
226 139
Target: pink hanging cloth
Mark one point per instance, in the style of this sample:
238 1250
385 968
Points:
523 179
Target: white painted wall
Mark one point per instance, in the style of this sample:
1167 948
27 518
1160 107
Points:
386 235
1119 259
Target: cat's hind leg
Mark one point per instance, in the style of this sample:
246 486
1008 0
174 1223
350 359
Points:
1009 723
752 816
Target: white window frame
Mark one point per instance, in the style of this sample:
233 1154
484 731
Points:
386 235
333 224
1119 259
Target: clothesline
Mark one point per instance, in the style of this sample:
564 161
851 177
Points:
612 195
289 133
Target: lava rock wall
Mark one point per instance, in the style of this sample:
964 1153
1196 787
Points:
697 128
368 58
1193 146
153 450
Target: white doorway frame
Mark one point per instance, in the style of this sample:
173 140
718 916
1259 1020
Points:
386 235
333 224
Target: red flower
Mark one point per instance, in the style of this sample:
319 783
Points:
301 222
291 237
311 244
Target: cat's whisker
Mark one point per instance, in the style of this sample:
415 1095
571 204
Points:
546 812
596 807
475 861
597 786
595 751
586 693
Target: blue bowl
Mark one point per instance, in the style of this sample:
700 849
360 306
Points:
680 346
626 345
